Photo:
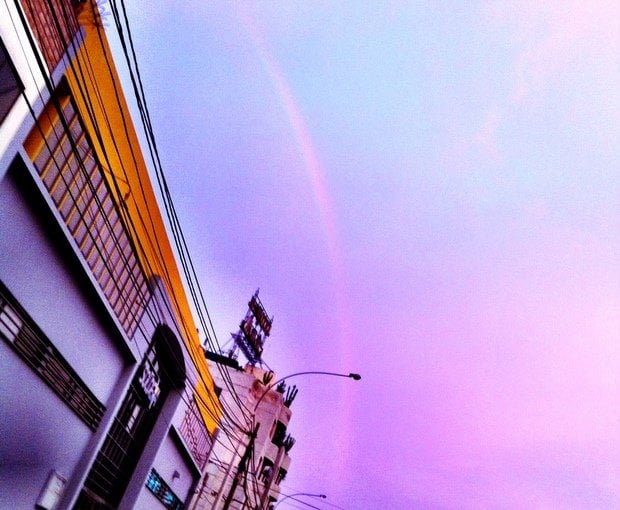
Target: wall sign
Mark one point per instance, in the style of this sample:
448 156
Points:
149 382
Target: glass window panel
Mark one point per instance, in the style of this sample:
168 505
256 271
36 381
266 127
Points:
87 244
95 175
109 286
73 219
93 257
107 206
117 226
100 227
90 216
66 206
137 272
71 171
107 241
57 130
80 231
76 129
101 190
42 160
68 111
58 191
90 167
123 279
51 175
112 296
114 258
63 150
104 276
127 251
82 199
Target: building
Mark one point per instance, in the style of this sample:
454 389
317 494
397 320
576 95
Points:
106 398
246 470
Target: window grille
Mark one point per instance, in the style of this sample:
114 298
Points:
195 434
76 184
29 342
114 465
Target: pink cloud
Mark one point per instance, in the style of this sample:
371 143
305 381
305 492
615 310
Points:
553 37
549 39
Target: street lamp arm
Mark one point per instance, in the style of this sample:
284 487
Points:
264 497
300 494
355 377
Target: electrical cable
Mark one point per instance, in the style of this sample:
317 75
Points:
67 130
125 128
181 245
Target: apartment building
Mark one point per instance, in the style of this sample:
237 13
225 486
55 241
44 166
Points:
246 469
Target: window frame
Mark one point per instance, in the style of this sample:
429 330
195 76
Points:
18 86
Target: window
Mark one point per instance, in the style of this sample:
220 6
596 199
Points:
10 84
279 434
10 323
281 476
74 178
266 470
29 342
195 434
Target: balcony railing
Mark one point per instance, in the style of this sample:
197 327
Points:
195 434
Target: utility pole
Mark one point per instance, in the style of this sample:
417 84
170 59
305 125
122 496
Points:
225 477
264 500
201 486
242 468
285 446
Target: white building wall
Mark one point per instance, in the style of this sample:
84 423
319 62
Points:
46 281
39 431
249 388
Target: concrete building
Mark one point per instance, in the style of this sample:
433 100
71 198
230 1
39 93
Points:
106 398
246 472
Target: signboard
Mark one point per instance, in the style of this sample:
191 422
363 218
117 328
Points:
149 382
51 493
253 330
259 314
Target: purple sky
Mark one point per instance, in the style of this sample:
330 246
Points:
426 193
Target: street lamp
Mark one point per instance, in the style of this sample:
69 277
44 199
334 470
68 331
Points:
244 459
355 377
351 375
300 494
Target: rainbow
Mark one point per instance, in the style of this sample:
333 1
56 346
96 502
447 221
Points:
323 200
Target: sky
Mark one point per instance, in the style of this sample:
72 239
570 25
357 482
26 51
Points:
427 193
